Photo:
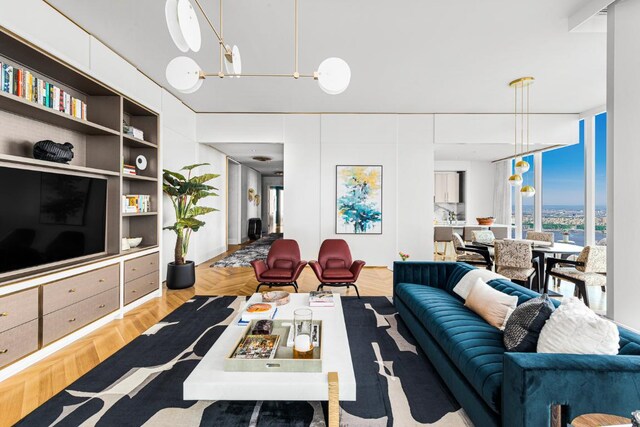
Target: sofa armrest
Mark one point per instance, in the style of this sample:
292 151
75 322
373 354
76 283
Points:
534 382
259 266
356 268
428 273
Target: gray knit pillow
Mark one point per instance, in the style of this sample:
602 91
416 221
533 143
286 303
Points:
523 327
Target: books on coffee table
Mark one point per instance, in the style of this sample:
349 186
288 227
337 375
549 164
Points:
259 310
257 347
321 299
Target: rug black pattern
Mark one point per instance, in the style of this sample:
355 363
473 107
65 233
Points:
141 385
253 251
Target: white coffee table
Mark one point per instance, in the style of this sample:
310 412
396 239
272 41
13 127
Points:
209 380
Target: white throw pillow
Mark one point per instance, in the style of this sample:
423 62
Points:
574 328
463 287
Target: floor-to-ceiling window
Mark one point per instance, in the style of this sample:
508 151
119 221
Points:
563 191
601 176
528 203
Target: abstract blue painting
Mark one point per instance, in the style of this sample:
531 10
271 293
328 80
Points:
359 199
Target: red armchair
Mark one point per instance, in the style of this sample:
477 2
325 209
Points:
335 267
283 265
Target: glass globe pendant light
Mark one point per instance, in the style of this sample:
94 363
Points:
527 191
521 167
515 180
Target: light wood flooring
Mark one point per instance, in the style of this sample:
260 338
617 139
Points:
25 391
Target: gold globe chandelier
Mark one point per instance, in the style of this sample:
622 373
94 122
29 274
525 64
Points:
521 116
185 75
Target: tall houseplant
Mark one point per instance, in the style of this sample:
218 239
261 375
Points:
185 192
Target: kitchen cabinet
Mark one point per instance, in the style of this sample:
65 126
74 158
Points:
447 187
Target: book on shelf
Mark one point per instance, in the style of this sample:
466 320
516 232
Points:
21 82
257 347
136 203
258 310
321 299
129 170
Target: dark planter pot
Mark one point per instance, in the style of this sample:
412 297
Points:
181 276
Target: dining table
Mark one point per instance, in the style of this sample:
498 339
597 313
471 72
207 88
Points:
540 251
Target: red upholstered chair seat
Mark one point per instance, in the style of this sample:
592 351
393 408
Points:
337 273
277 273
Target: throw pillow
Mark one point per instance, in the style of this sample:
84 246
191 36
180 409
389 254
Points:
575 329
469 279
523 327
490 304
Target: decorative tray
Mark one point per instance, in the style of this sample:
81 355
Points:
283 360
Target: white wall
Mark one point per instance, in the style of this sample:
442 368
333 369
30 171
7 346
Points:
250 178
314 144
623 151
234 203
479 191
178 123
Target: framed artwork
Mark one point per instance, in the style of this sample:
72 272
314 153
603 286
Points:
359 199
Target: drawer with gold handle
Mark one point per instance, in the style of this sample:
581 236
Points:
64 321
65 292
18 308
18 342
138 267
140 287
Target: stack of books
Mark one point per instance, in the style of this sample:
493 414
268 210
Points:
22 83
259 310
321 299
136 203
129 170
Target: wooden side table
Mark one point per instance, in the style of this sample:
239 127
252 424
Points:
597 420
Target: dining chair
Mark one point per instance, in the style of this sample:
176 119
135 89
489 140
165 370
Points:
474 255
500 231
442 235
483 236
540 236
589 269
468 230
514 260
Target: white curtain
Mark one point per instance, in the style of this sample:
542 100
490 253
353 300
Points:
502 195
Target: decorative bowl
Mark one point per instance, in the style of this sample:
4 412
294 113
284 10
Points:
485 221
277 297
134 241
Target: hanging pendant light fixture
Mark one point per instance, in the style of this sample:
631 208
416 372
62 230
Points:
333 75
521 166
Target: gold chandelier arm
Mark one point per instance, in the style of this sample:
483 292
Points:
310 76
222 38
218 36
296 38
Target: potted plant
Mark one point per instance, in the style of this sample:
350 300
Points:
185 193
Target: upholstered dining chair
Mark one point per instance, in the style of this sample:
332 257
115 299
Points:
474 255
540 236
513 260
282 266
467 232
589 269
335 266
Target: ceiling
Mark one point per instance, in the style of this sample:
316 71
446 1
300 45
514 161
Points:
244 153
405 56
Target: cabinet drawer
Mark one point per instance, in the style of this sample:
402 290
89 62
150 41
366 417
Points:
138 267
18 308
140 287
64 321
18 342
69 291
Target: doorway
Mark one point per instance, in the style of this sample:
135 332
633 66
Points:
276 209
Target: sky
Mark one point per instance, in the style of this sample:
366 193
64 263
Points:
563 171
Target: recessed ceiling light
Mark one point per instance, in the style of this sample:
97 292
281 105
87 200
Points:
262 158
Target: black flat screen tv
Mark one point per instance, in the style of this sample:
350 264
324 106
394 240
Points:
49 217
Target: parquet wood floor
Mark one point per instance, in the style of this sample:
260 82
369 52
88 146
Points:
22 393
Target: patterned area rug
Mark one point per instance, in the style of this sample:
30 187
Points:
253 251
141 385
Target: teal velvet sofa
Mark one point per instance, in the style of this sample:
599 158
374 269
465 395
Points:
498 388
